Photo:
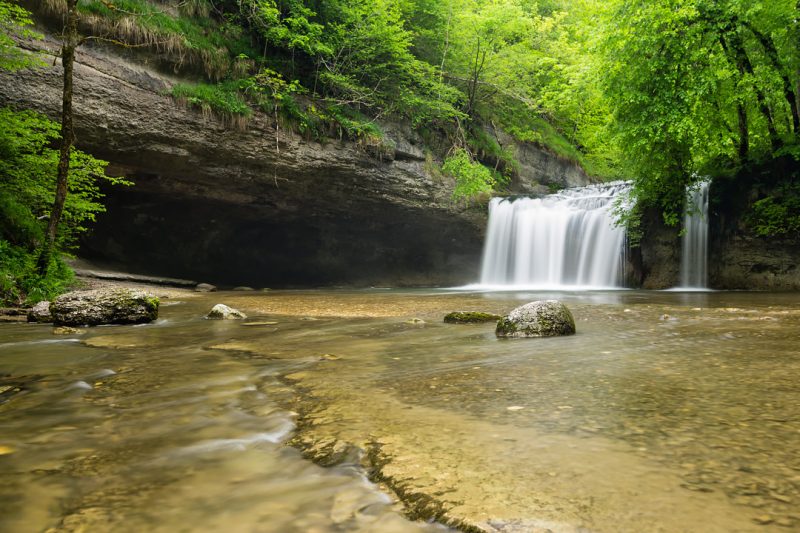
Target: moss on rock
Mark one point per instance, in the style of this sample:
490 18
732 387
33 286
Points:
470 317
546 318
104 306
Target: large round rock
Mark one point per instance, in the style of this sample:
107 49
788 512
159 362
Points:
546 318
104 306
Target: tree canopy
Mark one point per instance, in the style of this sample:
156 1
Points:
661 93
657 92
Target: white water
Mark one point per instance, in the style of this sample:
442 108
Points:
562 241
694 245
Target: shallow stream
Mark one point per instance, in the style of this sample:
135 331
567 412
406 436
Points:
666 412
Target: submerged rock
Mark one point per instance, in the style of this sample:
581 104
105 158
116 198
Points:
470 317
64 330
40 313
223 312
104 306
545 318
205 287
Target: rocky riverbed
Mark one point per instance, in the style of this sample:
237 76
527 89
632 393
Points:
665 412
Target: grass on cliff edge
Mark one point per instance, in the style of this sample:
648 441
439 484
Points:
181 32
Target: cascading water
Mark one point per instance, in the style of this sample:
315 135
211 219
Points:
564 240
694 245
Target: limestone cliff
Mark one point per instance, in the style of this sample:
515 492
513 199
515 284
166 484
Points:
737 259
256 206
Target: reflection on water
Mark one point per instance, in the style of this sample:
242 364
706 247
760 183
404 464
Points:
666 412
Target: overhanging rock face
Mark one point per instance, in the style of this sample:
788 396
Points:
249 206
260 205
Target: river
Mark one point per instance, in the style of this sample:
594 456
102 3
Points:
665 412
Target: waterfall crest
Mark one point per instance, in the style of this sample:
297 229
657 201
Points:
562 241
694 244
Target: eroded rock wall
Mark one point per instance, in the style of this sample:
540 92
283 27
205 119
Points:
737 259
254 206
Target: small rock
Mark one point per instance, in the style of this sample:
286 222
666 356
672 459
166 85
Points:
329 357
763 520
205 287
470 317
223 312
546 318
40 313
243 288
415 322
64 330
515 408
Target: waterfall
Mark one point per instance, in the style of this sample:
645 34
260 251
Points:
564 240
694 244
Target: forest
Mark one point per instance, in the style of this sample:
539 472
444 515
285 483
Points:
664 94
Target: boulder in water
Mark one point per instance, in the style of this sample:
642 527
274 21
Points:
470 317
223 312
104 306
546 318
40 313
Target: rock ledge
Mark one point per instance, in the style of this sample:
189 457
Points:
104 306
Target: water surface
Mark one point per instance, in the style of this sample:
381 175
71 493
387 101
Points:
666 412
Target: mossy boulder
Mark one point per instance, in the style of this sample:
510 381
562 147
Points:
546 318
223 312
104 306
470 317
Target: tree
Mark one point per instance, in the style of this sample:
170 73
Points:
70 43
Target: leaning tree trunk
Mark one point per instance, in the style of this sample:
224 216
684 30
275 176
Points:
788 91
67 136
743 61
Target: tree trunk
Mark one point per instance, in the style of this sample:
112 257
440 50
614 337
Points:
744 135
741 110
67 136
744 64
473 87
788 90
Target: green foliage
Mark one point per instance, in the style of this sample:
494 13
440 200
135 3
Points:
657 92
473 180
776 215
183 33
691 88
14 21
28 162
222 99
20 282
487 148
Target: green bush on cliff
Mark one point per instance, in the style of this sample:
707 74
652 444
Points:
473 180
222 100
776 215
